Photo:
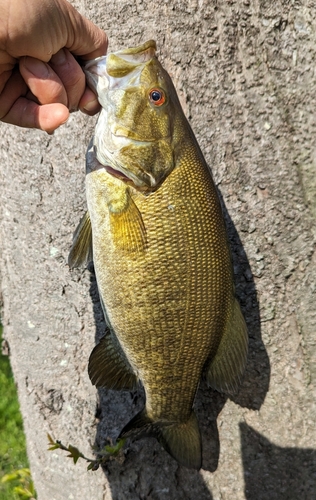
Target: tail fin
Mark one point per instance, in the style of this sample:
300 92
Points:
182 440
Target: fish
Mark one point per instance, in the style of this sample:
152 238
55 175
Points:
156 233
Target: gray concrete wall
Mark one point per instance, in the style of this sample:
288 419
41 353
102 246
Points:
245 74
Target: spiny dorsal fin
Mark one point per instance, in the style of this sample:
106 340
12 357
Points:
182 440
225 370
129 233
109 367
81 250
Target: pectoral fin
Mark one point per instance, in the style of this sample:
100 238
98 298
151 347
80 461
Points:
81 250
225 370
109 367
127 226
182 440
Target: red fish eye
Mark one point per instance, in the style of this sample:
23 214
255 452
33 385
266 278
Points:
157 97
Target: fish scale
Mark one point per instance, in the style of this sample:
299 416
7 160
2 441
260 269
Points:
136 316
161 257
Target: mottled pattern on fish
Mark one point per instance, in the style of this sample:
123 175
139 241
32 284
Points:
164 273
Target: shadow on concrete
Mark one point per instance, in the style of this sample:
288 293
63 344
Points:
276 473
256 380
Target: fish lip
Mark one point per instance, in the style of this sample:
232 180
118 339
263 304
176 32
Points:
116 173
111 170
92 62
119 174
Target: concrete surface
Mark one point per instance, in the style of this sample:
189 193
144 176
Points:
245 73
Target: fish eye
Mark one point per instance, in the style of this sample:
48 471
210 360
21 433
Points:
157 97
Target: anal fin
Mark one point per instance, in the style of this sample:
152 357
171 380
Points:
81 249
108 366
225 370
182 440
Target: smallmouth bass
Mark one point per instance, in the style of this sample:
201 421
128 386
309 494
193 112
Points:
161 255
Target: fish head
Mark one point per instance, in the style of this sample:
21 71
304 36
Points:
134 136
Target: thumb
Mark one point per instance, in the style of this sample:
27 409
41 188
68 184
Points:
85 39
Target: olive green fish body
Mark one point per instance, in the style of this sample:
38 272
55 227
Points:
164 274
165 306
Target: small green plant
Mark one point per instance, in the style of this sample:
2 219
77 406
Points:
94 463
21 482
15 478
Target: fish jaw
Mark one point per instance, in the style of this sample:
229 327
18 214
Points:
111 149
93 164
136 153
94 71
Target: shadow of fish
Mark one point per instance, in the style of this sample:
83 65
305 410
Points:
156 231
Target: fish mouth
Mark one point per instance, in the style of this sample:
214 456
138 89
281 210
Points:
127 179
116 173
93 163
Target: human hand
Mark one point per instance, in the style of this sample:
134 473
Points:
40 79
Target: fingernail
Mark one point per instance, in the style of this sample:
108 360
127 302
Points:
59 58
36 67
91 105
